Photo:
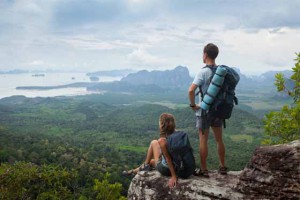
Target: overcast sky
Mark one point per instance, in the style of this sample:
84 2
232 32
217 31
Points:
90 35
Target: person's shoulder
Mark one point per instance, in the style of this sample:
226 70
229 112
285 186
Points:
203 70
162 139
206 69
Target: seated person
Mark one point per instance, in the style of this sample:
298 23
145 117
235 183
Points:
157 155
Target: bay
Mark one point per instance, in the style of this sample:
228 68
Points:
9 82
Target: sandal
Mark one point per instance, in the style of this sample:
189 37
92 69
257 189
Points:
129 173
145 167
202 173
222 170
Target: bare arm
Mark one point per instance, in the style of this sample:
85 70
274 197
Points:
192 90
163 146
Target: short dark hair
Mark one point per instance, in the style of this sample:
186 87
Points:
211 50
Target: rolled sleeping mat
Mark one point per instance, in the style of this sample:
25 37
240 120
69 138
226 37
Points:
213 88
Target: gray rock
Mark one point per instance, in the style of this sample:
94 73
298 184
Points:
272 173
151 185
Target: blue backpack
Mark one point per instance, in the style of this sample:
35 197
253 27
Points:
181 152
223 103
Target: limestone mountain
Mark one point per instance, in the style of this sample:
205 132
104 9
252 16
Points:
176 78
265 80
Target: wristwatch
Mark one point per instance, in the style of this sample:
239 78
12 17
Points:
192 105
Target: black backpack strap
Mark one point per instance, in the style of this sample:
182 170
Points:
224 123
235 99
213 70
203 120
201 92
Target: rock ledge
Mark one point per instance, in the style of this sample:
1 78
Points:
272 173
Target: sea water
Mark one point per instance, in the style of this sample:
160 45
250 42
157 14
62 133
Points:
9 82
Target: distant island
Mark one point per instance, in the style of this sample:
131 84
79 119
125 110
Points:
72 85
94 78
113 73
38 75
15 71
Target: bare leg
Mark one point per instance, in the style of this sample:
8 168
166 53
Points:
220 144
203 148
153 152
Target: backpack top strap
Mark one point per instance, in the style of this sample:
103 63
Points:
211 66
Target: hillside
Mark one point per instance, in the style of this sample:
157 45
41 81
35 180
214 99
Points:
96 134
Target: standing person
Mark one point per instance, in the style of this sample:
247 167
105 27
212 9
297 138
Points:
202 80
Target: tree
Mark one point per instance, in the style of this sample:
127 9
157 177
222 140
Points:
284 126
106 190
29 181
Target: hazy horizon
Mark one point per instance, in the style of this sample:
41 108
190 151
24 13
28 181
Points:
98 35
133 71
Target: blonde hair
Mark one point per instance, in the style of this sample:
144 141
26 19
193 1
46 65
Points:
166 124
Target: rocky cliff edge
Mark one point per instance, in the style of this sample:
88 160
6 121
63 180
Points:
272 173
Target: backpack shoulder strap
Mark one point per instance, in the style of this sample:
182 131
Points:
213 70
200 92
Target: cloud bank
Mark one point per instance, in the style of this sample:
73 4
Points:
255 36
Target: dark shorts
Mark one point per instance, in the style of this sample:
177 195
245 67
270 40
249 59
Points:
214 122
162 169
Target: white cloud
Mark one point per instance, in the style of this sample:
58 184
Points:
261 51
89 45
147 33
35 63
140 57
91 42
